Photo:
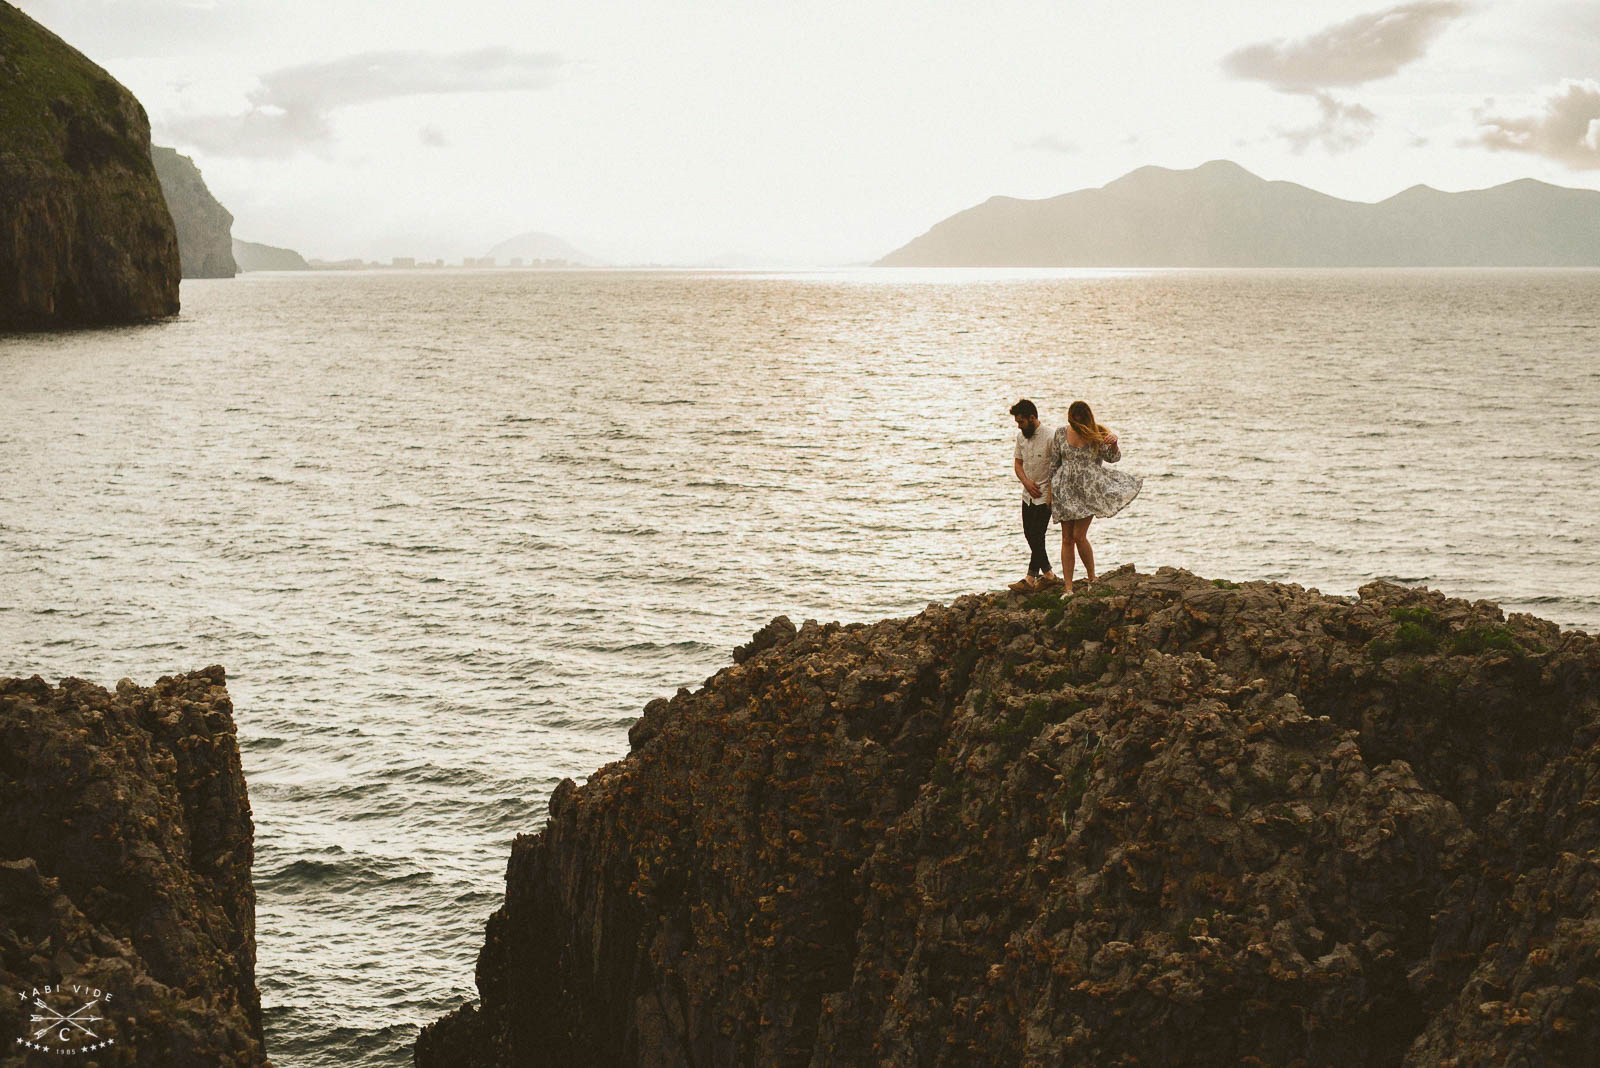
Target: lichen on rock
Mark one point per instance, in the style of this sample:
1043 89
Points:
1159 821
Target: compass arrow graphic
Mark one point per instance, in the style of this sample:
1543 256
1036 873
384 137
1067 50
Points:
55 1018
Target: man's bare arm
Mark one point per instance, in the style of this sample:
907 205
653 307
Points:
1027 483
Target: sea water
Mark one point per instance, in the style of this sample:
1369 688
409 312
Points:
448 531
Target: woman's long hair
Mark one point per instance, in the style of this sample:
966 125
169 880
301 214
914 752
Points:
1081 419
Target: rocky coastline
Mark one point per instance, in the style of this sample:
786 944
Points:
85 235
1161 821
125 852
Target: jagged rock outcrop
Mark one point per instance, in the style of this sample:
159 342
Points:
125 851
85 236
205 227
1163 821
252 256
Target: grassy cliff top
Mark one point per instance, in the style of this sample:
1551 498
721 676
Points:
48 89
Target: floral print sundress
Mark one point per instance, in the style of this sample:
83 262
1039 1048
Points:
1080 483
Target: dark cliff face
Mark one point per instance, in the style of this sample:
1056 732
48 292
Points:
205 227
85 236
125 851
1164 821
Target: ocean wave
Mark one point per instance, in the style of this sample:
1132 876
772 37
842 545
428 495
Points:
309 873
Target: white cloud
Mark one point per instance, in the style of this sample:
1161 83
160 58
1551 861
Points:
289 109
1340 128
1566 128
1359 50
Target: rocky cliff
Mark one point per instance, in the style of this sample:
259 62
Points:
205 227
85 237
125 852
1163 821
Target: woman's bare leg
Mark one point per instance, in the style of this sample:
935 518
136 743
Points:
1066 555
1080 538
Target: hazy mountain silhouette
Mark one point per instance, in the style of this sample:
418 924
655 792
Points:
205 227
533 246
1221 215
253 256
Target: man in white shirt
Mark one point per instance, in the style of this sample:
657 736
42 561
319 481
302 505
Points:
1032 465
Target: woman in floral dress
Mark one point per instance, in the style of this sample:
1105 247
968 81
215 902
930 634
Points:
1081 486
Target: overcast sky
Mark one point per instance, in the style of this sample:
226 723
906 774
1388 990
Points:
817 132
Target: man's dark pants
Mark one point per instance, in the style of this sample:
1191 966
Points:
1035 521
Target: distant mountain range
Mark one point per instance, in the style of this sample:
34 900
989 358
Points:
1221 215
534 247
